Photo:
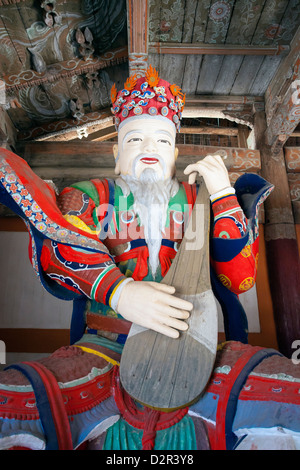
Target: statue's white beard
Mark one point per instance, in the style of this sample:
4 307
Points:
151 200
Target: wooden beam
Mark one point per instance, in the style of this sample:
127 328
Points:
103 135
243 134
137 20
101 118
75 174
61 158
67 129
67 68
215 49
223 100
208 130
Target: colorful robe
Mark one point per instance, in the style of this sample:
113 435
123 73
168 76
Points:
87 371
120 231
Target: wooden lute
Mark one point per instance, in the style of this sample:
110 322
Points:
166 373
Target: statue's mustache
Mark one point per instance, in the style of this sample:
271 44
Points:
148 155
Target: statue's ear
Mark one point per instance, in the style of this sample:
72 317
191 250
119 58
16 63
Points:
176 153
116 156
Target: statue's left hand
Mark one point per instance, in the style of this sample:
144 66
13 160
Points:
153 305
214 173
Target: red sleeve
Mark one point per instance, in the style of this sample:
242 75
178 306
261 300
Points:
93 274
238 274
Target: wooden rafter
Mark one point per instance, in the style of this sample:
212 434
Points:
222 100
209 130
104 134
215 49
92 121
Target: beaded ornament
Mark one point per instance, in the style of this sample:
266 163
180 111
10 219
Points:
147 95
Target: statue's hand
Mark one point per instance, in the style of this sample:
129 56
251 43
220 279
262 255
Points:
214 173
153 305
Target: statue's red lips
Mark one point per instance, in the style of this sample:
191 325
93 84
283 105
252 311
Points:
149 160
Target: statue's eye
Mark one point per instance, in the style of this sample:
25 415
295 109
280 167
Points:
164 141
135 139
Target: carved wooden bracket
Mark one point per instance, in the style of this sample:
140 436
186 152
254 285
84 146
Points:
76 108
51 16
286 118
37 60
85 39
67 68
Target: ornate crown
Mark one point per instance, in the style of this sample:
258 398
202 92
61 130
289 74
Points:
147 95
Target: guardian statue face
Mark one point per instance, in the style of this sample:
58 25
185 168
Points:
147 114
144 143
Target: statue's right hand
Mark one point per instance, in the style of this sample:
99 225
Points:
153 305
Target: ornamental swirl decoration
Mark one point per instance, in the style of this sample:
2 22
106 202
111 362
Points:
246 160
70 67
53 127
292 158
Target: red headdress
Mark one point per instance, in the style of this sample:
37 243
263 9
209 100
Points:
148 95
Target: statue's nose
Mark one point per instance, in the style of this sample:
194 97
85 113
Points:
150 145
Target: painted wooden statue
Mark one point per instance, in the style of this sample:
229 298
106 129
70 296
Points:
107 246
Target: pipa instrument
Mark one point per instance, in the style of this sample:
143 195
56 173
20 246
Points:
166 373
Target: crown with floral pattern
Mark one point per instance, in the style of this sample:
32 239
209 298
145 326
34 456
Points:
148 95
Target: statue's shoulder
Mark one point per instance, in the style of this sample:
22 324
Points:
100 191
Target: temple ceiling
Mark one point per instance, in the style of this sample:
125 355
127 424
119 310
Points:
59 59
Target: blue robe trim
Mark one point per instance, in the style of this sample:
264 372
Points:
42 403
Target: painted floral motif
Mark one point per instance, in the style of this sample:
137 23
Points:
273 31
219 11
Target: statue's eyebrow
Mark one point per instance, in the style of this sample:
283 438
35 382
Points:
165 133
140 131
137 131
